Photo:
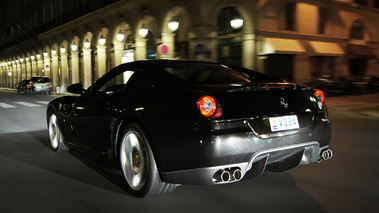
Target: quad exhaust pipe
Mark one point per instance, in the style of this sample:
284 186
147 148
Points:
326 154
227 175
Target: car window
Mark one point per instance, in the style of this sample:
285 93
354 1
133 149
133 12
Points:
205 73
40 79
116 83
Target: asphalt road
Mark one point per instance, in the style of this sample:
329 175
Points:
35 179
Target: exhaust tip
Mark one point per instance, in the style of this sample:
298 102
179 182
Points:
237 174
326 154
225 176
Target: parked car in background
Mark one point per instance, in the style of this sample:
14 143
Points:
23 86
172 122
40 84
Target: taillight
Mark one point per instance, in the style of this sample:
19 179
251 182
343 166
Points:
209 107
320 95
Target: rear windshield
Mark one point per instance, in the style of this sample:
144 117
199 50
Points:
40 79
205 73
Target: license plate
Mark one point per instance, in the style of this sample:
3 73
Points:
284 123
42 84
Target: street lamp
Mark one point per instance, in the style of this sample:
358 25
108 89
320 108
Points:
32 57
53 51
236 23
38 56
74 47
143 31
63 49
120 36
102 40
87 43
173 24
45 54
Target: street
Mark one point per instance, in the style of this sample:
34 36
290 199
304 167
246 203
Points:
33 178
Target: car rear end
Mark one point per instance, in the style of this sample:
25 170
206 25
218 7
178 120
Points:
41 84
236 129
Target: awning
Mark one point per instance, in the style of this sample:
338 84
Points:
360 52
281 46
326 48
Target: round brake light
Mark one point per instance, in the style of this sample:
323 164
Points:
209 107
320 95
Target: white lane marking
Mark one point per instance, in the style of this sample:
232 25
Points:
7 106
42 102
27 104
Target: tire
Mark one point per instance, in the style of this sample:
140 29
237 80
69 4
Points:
138 164
55 134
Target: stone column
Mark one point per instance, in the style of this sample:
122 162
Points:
47 66
33 68
118 53
28 69
64 71
87 64
248 51
169 40
74 67
18 75
140 48
55 71
101 60
40 67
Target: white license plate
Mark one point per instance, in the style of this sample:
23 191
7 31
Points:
284 123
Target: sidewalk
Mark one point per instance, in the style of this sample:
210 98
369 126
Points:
366 104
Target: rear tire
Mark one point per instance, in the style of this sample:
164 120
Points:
138 164
55 134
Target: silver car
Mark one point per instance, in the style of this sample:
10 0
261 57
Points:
40 84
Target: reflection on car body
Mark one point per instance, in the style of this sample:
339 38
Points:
171 122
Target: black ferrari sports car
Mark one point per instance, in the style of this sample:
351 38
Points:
172 122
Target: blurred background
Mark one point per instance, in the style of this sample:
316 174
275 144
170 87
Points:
329 44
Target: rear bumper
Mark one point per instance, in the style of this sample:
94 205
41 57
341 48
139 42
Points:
274 159
42 89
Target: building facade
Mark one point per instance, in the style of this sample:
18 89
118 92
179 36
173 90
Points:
74 41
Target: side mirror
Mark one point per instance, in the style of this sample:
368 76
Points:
76 88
